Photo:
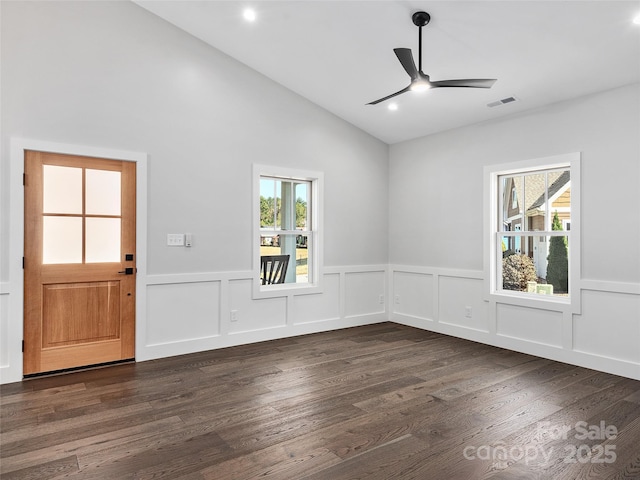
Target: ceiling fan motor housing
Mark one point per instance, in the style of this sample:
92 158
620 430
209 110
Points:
420 19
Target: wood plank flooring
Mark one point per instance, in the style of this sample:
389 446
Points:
382 402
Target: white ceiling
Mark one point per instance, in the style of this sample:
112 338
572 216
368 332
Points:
339 54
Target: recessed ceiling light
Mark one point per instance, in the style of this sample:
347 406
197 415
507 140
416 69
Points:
636 19
249 14
393 107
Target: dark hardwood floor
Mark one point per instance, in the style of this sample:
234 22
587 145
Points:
377 402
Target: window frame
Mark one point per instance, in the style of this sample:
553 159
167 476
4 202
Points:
493 247
314 231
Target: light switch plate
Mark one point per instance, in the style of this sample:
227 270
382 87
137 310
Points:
175 239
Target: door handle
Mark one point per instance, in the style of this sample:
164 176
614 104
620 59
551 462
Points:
128 271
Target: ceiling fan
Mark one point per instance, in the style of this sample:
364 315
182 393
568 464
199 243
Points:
419 80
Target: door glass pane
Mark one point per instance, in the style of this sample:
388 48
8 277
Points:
103 240
62 189
62 240
103 192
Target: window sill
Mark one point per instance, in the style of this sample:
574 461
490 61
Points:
284 290
534 300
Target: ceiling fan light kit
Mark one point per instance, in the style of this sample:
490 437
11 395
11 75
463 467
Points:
420 81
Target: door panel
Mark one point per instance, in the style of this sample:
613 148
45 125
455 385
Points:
79 227
80 312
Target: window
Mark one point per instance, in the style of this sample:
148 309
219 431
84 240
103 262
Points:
286 226
532 251
82 215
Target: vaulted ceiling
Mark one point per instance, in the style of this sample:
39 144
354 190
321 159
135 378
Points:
339 54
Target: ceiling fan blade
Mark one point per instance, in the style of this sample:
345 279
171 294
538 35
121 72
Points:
406 89
406 59
467 82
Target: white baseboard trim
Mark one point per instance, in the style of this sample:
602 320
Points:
572 357
152 352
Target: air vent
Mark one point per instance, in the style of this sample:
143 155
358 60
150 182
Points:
502 102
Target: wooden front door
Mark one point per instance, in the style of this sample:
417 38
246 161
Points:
79 266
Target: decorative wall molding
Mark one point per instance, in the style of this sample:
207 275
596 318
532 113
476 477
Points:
604 336
191 312
608 286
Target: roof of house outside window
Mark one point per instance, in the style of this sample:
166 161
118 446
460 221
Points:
558 180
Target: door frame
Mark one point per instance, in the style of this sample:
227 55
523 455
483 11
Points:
12 371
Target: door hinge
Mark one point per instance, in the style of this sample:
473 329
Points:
24 179
23 263
22 346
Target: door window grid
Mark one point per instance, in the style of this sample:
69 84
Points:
81 215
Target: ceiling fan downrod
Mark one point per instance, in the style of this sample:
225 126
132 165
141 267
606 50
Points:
420 19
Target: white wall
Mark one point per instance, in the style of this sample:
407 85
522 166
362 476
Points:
111 75
437 255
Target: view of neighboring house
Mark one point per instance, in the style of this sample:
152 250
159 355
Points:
529 204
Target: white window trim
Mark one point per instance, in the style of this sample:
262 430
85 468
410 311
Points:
317 189
492 250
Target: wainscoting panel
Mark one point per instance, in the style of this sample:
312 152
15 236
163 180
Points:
530 324
182 311
319 307
192 312
460 302
187 313
609 325
604 336
363 292
253 314
413 295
